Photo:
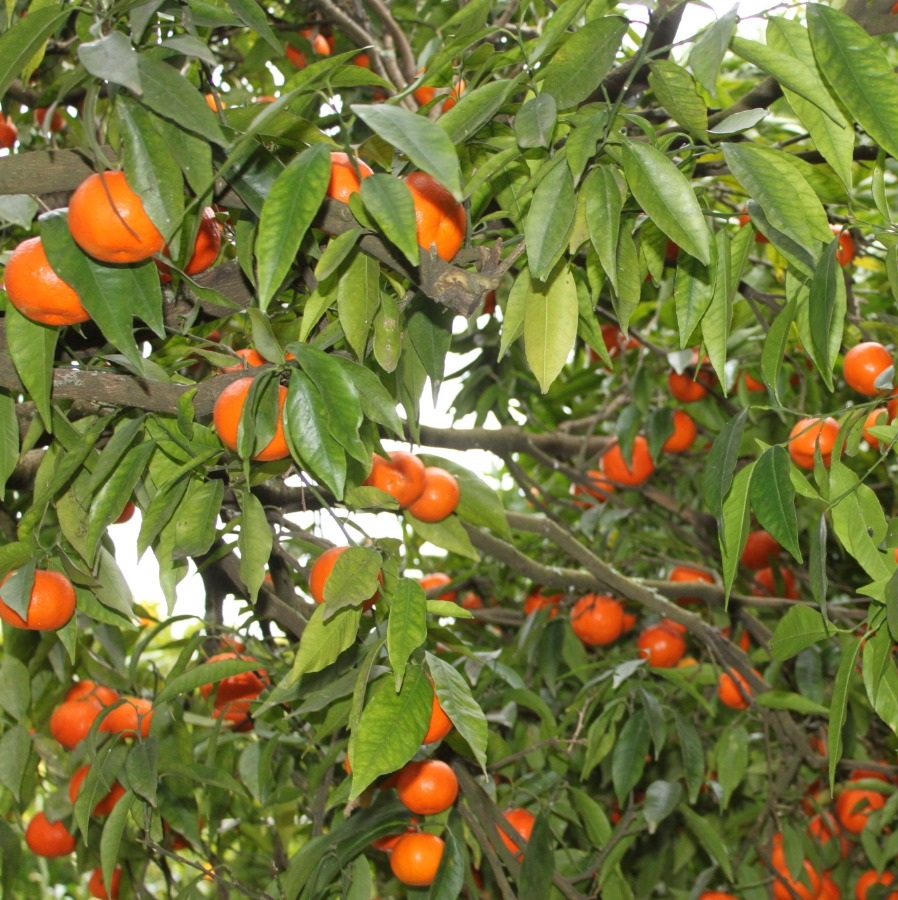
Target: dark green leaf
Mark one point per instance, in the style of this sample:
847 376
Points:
459 704
773 498
254 541
538 866
710 837
407 626
823 307
475 109
535 121
24 41
604 203
732 760
838 708
112 58
774 351
721 464
628 760
661 799
32 347
358 297
390 204
550 219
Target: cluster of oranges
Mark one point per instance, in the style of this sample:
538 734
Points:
235 693
429 493
9 131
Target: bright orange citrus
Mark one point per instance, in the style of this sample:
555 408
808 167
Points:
854 806
226 418
51 605
35 289
685 387
871 877
345 176
761 548
132 717
106 803
863 364
845 252
90 690
427 787
878 416
243 686
46 838
808 435
615 467
9 134
538 600
107 219
97 888
681 574
321 570
764 583
440 496
597 619
57 120
520 821
402 477
440 724
441 222
416 858
733 689
661 646
438 580
71 721
684 433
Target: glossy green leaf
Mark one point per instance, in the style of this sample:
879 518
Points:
774 350
709 835
773 498
113 832
826 311
735 526
550 325
32 347
358 298
692 754
881 677
475 108
377 403
407 626
429 330
550 219
24 40
112 58
667 197
628 758
661 799
628 276
604 203
535 121
694 290
15 753
205 673
353 580
448 534
677 92
291 205
731 752
709 50
460 705
721 464
799 628
390 204
254 542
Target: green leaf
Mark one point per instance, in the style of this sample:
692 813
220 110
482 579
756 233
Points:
15 755
448 534
142 766
24 40
9 435
429 330
603 208
661 799
112 58
288 211
377 403
694 290
407 626
709 836
628 760
721 463
535 881
731 753
881 677
253 15
310 441
801 627
254 542
515 308
826 311
708 51
773 498
475 109
335 253
858 72
667 197
775 344
358 297
354 579
535 121
389 201
628 276
735 525
838 708
550 325
550 220
32 347
205 673
693 754
677 92
389 732
792 702
113 832
719 314
583 60
426 144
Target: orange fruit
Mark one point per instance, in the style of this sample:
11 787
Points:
249 358
226 418
206 245
237 713
863 364
760 549
845 252
438 580
854 806
521 822
9 134
471 600
764 583
46 838
388 842
51 605
296 56
597 485
615 467
760 238
538 600
35 289
321 570
807 435
678 627
457 90
878 416
57 121
132 717
402 477
597 619
752 385
106 803
427 787
97 888
662 647
243 686
440 724
684 433
126 514
416 858
687 574
363 60
441 222
684 386
90 690
440 496
71 721
867 879
829 890
107 219
345 176
215 103
731 685
824 828
716 895
809 889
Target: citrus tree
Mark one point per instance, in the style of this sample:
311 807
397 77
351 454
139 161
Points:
647 649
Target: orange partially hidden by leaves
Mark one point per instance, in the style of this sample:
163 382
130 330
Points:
90 690
35 289
768 583
107 219
242 686
808 435
685 387
427 787
71 721
441 221
684 433
597 619
346 175
687 574
207 243
597 485
440 496
867 879
57 120
402 476
437 580
321 571
863 364
716 895
440 724
106 803
132 717
854 806
416 858
661 646
520 821
760 549
733 689
97 888
46 838
50 606
878 416
615 467
9 134
538 600
226 418
845 252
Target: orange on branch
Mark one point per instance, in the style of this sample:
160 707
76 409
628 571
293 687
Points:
226 418
616 468
441 222
427 787
597 619
48 839
50 605
416 858
402 476
346 175
440 496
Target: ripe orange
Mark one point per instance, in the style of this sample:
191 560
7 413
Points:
871 877
717 895
731 685
440 496
321 570
440 724
206 245
437 580
51 605
845 252
854 806
441 222
243 686
132 717
765 583
402 477
90 690
97 888
538 600
107 219
9 134
471 600
760 238
863 364
416 858
57 121
226 418
597 619
761 548
684 433
249 358
71 721
662 647
685 387
126 514
35 289
752 385
615 467
296 56
46 838
784 885
520 821
363 60
427 787
807 435
597 485
687 574
106 803
878 416
824 828
345 176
